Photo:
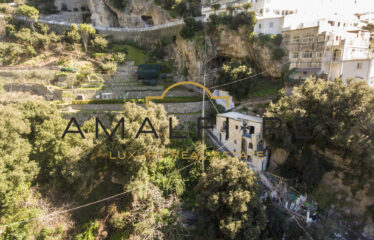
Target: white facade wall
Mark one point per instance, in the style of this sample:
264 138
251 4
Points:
359 69
269 25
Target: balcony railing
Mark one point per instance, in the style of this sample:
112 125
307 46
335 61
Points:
247 135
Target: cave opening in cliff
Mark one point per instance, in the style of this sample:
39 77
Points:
217 62
148 20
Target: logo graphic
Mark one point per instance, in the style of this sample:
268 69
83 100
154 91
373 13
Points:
148 98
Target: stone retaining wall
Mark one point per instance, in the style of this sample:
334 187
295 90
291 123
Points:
48 92
191 107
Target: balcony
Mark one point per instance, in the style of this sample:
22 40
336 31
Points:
247 135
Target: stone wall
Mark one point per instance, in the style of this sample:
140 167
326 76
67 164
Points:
191 107
49 93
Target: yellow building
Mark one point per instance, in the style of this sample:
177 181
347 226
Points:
242 136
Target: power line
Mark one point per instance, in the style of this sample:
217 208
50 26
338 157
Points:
225 84
53 214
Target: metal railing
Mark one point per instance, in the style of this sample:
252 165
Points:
112 29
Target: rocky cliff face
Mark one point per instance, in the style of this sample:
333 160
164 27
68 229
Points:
137 13
225 44
100 14
140 13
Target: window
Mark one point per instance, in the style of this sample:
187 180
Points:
308 38
336 55
236 127
260 146
296 39
259 25
359 65
319 54
251 130
250 146
271 25
321 38
295 55
235 142
307 54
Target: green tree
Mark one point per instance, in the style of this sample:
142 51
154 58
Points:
29 12
216 7
246 6
17 171
99 43
228 200
74 35
369 27
230 9
232 72
337 116
86 31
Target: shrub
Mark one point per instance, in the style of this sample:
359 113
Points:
99 43
5 8
278 53
31 51
192 26
9 30
83 75
73 36
42 27
11 52
119 57
109 67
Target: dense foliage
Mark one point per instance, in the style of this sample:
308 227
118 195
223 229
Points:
243 19
234 72
181 8
191 28
229 201
338 118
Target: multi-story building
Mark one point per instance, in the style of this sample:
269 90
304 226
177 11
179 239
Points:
242 136
321 47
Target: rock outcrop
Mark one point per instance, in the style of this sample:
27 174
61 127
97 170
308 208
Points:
224 44
140 13
100 14
137 13
278 157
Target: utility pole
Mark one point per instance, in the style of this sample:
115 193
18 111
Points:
203 110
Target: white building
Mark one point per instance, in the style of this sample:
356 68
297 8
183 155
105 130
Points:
269 25
242 136
343 50
359 69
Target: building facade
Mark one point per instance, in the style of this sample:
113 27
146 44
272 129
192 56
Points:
319 48
242 136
